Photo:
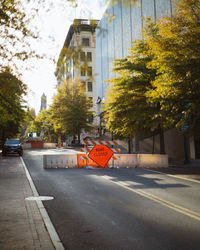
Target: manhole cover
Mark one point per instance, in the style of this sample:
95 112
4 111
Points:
39 198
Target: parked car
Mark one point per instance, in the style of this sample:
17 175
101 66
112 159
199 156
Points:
12 146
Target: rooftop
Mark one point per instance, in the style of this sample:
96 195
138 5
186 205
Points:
80 25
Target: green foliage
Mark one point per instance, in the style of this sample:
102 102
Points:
42 125
33 127
44 119
175 46
15 33
12 110
128 110
71 108
28 118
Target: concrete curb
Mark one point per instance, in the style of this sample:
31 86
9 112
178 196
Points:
50 228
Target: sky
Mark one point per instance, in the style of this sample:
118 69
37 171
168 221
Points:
53 26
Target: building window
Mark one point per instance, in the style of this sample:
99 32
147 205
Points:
82 71
89 85
89 56
85 42
82 56
89 71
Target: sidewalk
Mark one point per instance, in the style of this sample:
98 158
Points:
21 224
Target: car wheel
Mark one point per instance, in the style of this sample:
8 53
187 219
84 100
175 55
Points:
20 154
3 153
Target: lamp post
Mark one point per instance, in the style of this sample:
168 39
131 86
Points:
100 101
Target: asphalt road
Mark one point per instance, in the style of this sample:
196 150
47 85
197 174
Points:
118 208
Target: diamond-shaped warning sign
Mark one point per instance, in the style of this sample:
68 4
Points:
101 154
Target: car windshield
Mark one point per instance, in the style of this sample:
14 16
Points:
12 141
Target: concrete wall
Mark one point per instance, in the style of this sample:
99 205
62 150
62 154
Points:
174 144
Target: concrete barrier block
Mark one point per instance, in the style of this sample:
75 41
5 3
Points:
60 161
49 145
124 160
26 145
152 160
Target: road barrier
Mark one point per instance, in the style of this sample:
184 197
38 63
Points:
100 153
152 160
60 161
95 156
46 145
125 161
26 145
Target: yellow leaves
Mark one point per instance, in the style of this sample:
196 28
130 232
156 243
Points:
109 17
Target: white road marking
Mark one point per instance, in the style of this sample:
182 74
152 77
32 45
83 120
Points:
40 198
171 175
157 199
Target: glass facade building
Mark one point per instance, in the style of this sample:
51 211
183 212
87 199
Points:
119 26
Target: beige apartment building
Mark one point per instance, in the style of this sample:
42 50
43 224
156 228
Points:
78 58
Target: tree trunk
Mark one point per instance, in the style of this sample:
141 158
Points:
79 137
49 136
59 140
130 145
186 150
162 140
137 145
153 143
74 139
3 139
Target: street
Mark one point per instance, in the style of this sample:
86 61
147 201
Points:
118 208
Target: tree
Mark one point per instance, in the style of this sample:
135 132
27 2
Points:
128 109
71 109
28 118
12 103
46 125
15 33
175 46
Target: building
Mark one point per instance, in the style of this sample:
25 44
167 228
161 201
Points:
119 26
78 56
43 102
117 29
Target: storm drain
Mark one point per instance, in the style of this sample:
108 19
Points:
39 198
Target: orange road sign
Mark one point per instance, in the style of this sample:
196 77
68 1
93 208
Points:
100 154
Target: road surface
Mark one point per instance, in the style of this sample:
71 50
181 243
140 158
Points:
118 208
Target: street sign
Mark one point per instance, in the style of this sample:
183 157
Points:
100 154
